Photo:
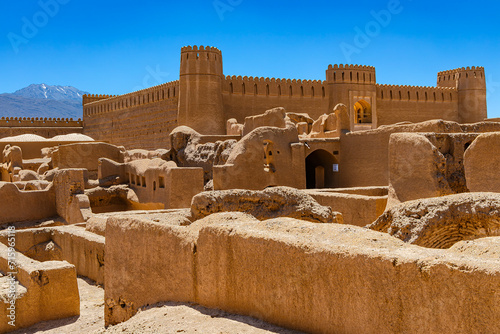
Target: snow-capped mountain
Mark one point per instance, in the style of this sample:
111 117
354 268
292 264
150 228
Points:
43 91
43 101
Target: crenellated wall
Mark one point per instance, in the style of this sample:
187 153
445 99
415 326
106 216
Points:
88 98
39 121
45 127
142 119
248 96
204 99
415 104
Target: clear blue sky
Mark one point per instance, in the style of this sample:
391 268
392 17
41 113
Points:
110 47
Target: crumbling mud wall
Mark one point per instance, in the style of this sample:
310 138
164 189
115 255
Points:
81 248
320 278
44 291
356 209
36 204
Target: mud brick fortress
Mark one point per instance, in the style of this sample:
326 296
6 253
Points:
204 99
336 206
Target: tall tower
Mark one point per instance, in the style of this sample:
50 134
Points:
200 95
354 86
471 87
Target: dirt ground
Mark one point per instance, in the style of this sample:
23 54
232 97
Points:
161 318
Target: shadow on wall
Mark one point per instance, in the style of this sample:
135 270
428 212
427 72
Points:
321 169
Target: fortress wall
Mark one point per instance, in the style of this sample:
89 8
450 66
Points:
45 127
141 119
249 96
415 104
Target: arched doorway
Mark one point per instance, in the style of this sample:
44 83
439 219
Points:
362 112
321 170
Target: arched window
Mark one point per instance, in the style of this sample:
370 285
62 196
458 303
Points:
363 111
243 88
390 92
231 88
301 90
312 91
255 89
279 90
267 90
323 91
290 90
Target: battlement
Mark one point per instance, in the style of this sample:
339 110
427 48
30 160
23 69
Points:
352 74
201 61
156 93
89 98
463 78
273 86
195 48
39 122
462 69
350 67
416 93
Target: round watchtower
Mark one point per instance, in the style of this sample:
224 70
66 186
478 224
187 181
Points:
200 96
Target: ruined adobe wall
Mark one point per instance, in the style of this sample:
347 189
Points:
415 104
249 96
45 127
365 154
141 119
319 278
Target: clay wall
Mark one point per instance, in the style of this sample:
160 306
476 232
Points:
249 96
33 149
359 210
36 204
141 119
83 249
365 155
415 104
319 278
45 127
50 291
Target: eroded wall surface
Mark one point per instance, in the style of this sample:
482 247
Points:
320 278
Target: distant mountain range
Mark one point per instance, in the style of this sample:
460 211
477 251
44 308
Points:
43 101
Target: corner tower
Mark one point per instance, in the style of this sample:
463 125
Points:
200 95
471 87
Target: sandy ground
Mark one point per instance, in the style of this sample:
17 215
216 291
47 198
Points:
161 318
